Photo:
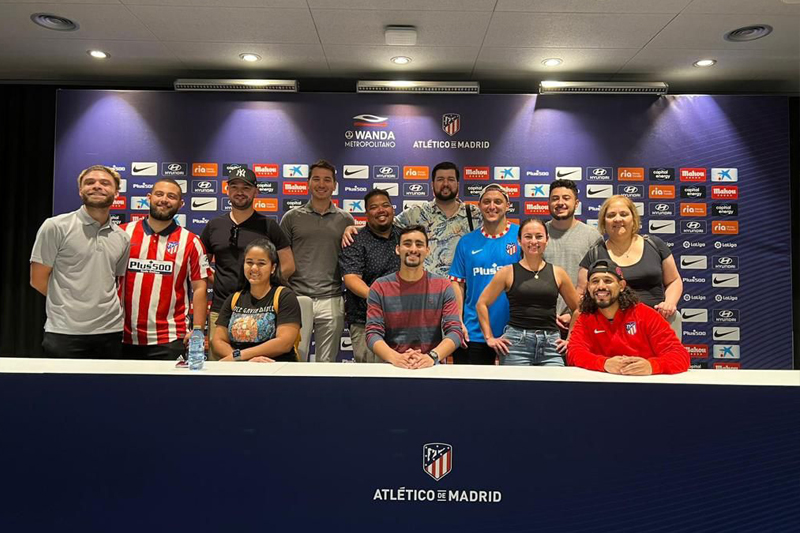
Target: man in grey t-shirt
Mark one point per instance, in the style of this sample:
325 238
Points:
570 239
75 262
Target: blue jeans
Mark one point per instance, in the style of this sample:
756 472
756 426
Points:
531 347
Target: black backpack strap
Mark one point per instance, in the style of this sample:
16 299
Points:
469 217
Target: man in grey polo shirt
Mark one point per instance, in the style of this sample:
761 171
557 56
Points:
75 261
315 233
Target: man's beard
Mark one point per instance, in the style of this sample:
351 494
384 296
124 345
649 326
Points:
163 215
91 202
445 198
569 215
605 304
419 261
246 205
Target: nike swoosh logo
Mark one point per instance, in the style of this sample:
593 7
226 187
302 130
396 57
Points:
562 174
477 251
718 280
654 227
599 331
142 169
690 263
351 172
595 191
201 204
720 335
687 317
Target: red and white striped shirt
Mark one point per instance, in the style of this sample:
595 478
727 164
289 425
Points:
155 293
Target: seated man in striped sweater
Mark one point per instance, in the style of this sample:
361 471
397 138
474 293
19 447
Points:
412 315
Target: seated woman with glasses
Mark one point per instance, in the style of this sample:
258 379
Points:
261 321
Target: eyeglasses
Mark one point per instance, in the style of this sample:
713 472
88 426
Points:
233 242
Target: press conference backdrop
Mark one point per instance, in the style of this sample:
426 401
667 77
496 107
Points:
709 174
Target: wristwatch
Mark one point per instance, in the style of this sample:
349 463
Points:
237 354
435 356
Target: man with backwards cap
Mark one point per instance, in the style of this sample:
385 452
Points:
615 333
479 255
226 237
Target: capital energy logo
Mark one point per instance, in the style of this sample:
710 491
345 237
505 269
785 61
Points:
694 262
661 226
476 173
392 189
205 170
569 173
665 192
291 203
385 172
117 218
662 209
729 175
693 209
513 209
726 351
662 174
695 227
120 202
451 123
473 190
724 192
174 169
506 173
267 187
599 173
726 334
204 187
537 208
630 174
416 173
697 351
599 191
295 188
693 191
726 315
140 203
266 204
693 174
537 190
203 204
266 170
725 210
725 280
295 170
631 191
725 227
694 315
353 206
726 262
139 168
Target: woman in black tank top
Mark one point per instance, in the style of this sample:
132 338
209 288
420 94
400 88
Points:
532 286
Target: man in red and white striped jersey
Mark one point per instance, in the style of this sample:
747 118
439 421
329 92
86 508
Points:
165 261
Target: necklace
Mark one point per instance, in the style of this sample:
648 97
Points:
627 250
536 272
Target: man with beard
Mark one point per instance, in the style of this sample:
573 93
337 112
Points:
412 315
371 256
165 260
75 262
570 239
315 232
446 219
226 237
615 333
479 256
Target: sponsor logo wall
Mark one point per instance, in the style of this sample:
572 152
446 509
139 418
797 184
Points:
701 181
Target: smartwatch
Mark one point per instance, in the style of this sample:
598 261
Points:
435 356
237 355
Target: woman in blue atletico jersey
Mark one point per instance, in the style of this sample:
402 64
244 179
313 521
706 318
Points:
532 286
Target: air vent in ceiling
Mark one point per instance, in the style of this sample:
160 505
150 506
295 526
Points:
748 33
419 87
592 87
54 22
280 86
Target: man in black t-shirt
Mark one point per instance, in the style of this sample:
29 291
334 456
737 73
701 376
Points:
226 237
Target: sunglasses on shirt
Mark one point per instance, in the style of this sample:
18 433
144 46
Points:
233 242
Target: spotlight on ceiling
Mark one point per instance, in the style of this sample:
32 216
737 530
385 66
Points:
600 87
419 87
552 62
237 85
705 62
54 22
401 60
250 58
98 54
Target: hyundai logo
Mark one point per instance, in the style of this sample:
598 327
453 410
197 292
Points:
600 172
416 187
724 260
630 189
662 207
175 167
204 184
693 225
726 313
386 170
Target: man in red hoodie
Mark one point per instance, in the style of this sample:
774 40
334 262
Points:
616 334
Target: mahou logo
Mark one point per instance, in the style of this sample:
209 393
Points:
476 173
693 174
724 192
697 351
536 208
263 170
295 187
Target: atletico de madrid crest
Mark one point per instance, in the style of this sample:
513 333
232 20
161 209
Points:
451 123
511 248
437 459
631 328
172 247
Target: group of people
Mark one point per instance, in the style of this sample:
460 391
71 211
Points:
439 280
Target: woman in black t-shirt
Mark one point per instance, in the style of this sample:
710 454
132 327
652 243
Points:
261 322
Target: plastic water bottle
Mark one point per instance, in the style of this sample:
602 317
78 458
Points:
197 355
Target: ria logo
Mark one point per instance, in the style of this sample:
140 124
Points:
370 121
437 459
451 123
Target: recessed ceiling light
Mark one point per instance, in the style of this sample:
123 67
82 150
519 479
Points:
705 62
249 57
748 33
552 62
98 54
401 60
54 22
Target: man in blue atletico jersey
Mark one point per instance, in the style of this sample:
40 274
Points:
479 255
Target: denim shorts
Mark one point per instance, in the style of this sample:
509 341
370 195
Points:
531 347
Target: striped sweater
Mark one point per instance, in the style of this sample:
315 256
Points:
412 314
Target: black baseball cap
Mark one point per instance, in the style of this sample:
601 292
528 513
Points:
605 266
244 174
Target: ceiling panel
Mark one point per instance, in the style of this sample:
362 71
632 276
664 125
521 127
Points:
545 30
240 24
375 60
516 62
707 31
729 7
593 6
434 28
405 5
307 59
218 3
111 22
741 64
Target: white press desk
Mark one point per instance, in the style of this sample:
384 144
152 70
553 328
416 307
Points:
140 446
